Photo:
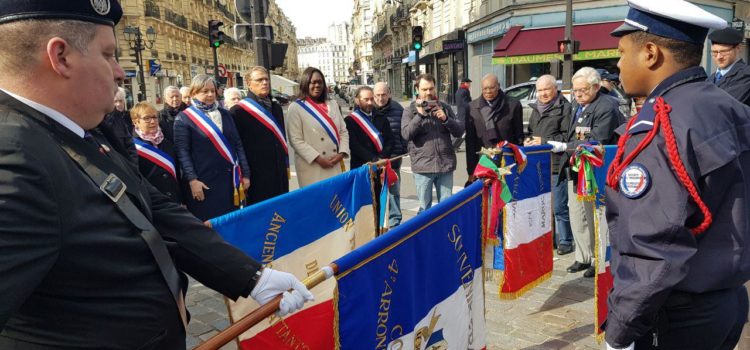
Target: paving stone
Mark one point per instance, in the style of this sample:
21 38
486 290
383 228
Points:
198 328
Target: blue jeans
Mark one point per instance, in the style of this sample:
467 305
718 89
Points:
443 183
394 197
562 220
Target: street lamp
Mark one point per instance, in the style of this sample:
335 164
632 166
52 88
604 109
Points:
137 44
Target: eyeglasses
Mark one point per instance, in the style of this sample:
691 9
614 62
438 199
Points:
149 119
716 53
582 91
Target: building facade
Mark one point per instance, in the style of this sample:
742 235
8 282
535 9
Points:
362 32
332 59
181 49
284 32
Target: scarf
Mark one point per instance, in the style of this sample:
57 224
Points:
491 114
155 138
264 101
205 107
545 107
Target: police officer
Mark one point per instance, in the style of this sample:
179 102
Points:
92 255
732 74
677 190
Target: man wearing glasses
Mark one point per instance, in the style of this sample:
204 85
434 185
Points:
595 116
732 74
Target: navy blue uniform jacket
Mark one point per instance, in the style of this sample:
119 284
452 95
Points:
199 159
736 82
653 251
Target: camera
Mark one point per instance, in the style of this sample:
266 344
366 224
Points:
428 105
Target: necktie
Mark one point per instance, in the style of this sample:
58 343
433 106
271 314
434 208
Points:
89 138
718 77
578 112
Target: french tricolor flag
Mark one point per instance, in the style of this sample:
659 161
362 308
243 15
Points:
603 281
301 232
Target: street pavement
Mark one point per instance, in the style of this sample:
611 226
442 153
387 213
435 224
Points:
558 314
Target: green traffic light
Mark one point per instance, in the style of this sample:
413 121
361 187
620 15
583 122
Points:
216 44
417 46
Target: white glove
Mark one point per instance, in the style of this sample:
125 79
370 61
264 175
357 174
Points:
558 147
272 283
630 347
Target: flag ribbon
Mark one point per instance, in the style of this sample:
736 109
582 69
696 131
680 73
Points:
497 190
518 155
583 161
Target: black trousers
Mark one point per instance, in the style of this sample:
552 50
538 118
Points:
707 321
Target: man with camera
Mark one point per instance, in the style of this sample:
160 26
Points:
427 126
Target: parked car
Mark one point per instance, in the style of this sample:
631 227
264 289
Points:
280 97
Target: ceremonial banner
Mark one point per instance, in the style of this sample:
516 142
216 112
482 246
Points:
602 252
299 232
419 286
527 223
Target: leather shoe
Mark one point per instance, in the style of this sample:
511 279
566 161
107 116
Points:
578 267
564 249
589 272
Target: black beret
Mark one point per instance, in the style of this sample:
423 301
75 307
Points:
726 36
466 80
107 12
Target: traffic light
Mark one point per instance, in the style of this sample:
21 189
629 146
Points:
215 35
417 34
568 47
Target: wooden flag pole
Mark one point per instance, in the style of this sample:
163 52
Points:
259 314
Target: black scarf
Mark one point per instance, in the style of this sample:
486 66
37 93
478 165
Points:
264 101
492 113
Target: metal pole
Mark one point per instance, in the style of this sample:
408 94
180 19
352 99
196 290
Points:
139 56
260 36
568 59
216 64
416 63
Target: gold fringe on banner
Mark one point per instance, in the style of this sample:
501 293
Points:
336 338
526 288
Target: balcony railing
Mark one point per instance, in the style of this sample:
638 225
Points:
224 10
176 19
199 28
151 10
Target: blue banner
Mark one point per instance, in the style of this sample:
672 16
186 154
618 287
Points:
420 284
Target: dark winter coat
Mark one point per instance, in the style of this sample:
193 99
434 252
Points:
552 124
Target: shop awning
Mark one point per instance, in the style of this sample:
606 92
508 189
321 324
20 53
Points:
540 45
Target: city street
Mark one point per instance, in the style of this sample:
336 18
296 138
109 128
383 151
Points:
558 314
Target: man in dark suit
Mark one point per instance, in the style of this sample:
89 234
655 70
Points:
370 136
260 123
595 116
91 254
732 74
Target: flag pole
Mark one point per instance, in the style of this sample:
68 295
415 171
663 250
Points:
380 163
259 314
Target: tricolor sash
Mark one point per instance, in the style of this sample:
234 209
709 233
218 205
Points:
155 155
369 129
322 118
209 128
265 117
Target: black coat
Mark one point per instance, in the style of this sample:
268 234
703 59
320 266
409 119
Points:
394 111
653 252
552 125
199 159
117 127
508 127
76 273
166 120
463 98
361 146
162 179
265 155
597 122
736 82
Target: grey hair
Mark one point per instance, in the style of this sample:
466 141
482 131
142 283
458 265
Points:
590 74
199 82
185 91
384 84
169 89
232 90
31 36
121 91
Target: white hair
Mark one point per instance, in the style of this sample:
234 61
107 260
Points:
232 90
185 91
121 92
547 79
169 89
590 74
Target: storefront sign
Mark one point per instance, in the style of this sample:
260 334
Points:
487 32
547 57
130 74
453 45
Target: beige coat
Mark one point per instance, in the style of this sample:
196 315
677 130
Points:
310 140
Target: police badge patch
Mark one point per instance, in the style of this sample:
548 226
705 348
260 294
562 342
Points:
101 6
634 181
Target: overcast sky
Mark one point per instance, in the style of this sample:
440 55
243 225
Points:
312 17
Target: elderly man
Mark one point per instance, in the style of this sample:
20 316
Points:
117 127
732 74
185 93
495 117
260 123
594 117
392 110
427 125
370 137
550 117
232 96
92 255
173 105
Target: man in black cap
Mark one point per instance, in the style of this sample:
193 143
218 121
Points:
678 190
732 74
92 255
463 97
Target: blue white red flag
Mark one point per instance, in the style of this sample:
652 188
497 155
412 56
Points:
300 232
419 286
603 251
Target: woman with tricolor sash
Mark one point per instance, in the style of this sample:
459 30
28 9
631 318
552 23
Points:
156 155
317 131
209 151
